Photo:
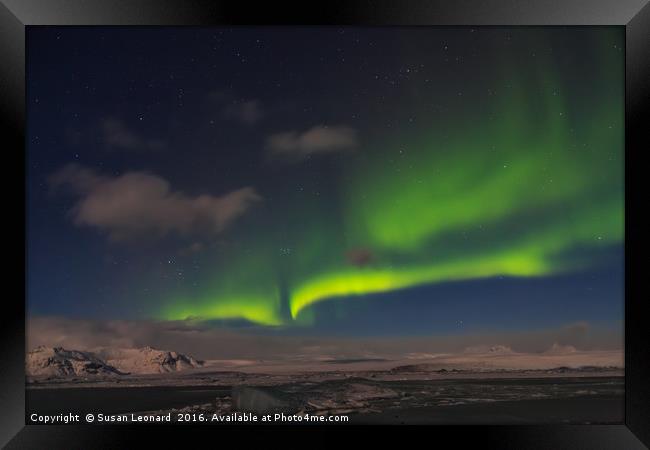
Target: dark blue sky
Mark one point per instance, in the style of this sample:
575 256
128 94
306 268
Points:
196 107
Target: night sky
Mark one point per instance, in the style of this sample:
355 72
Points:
339 181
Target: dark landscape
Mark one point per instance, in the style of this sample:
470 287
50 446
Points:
524 397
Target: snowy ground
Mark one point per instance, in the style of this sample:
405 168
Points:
495 385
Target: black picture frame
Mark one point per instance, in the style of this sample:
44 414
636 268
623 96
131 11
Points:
633 15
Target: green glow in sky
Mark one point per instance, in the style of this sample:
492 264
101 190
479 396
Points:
525 185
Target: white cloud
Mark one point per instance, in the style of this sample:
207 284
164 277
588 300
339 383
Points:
249 111
203 340
139 203
317 140
118 135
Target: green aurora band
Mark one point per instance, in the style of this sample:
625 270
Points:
530 184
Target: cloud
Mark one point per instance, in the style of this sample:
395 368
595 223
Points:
204 340
194 247
359 257
142 204
317 140
249 111
117 135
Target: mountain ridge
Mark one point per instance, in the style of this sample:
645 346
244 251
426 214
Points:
61 362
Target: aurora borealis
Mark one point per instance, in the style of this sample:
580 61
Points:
279 177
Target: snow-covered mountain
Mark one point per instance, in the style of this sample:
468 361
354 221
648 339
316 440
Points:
59 362
489 350
147 360
558 349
